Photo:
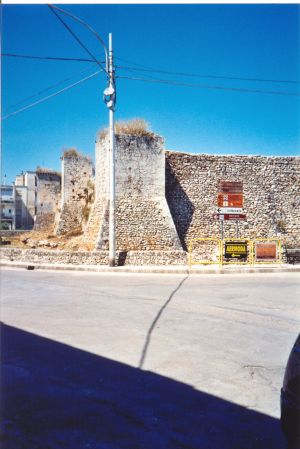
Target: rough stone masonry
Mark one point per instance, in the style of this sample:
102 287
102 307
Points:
165 198
271 187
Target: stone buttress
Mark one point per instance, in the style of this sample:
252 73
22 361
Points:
143 219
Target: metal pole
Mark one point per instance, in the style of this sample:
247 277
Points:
237 229
112 245
222 230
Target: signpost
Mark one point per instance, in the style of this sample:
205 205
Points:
229 210
236 250
230 204
230 200
231 187
266 251
225 217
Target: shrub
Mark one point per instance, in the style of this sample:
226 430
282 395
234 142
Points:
134 127
281 226
74 153
47 171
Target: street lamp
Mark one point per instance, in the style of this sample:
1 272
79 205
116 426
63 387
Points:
109 96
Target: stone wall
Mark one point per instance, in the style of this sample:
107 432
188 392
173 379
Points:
143 218
271 195
48 199
138 258
77 191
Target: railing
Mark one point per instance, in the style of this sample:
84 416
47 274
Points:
236 251
205 261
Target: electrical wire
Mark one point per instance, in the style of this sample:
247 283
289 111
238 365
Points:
51 58
199 75
52 95
151 69
76 37
86 25
37 94
202 86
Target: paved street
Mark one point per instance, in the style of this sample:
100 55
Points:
166 361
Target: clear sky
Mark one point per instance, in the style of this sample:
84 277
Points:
240 41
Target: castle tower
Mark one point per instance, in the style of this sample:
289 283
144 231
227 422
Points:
143 219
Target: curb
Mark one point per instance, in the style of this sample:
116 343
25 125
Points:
150 269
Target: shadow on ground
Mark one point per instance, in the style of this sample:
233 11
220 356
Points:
55 396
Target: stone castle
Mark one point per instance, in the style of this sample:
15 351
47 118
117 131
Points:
165 198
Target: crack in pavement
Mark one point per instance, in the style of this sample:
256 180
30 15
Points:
152 327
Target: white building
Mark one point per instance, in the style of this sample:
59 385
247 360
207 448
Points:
7 207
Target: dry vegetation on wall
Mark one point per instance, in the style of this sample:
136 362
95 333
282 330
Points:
89 199
47 171
135 127
48 240
74 153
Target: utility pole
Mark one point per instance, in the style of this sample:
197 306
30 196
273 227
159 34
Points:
110 100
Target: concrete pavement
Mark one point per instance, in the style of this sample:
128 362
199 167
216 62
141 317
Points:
226 337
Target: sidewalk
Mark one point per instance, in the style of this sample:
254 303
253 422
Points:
177 269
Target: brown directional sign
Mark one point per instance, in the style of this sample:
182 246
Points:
234 217
231 187
265 251
236 250
230 200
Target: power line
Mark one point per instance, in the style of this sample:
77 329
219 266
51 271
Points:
76 37
91 29
151 69
202 86
51 58
52 95
199 75
59 83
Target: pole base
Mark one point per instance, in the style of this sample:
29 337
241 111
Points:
112 262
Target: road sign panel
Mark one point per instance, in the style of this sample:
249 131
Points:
229 210
236 250
231 186
234 217
230 200
266 251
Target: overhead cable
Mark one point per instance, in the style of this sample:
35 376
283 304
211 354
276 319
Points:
59 83
200 75
202 86
51 58
142 68
76 37
52 95
86 25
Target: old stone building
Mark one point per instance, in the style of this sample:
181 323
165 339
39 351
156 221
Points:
165 198
77 191
37 198
271 190
47 201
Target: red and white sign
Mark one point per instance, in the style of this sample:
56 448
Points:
231 187
230 200
234 217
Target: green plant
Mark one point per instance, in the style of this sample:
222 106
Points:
4 226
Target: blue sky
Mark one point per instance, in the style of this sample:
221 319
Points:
242 41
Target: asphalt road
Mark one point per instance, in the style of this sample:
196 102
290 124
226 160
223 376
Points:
145 361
